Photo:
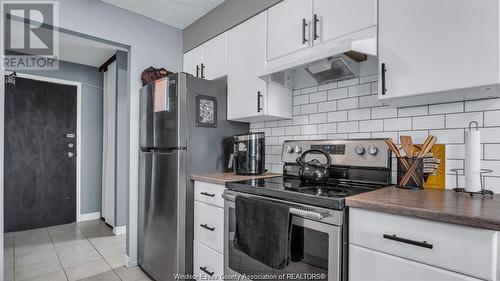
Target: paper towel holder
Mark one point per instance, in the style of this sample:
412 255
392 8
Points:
483 191
473 123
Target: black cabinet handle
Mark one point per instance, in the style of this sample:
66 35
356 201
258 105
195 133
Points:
207 194
315 27
202 70
383 78
259 97
197 71
205 226
204 269
422 244
304 24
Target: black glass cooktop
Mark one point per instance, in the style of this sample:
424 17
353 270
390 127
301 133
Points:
329 195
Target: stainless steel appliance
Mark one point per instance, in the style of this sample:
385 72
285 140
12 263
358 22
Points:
249 154
182 120
318 210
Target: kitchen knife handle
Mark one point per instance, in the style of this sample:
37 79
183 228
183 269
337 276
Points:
259 97
304 25
315 27
207 194
422 244
205 226
204 269
383 70
197 71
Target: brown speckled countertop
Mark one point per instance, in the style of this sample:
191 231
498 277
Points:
439 205
222 178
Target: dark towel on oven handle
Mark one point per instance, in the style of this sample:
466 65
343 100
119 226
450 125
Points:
263 230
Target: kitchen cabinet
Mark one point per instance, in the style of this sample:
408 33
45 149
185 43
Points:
209 60
421 247
434 51
249 97
288 27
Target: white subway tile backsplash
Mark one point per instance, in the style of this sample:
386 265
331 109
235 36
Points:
349 103
351 109
327 106
428 122
318 97
397 124
492 165
492 118
461 120
358 114
359 90
337 94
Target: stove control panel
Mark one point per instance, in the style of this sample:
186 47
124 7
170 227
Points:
355 152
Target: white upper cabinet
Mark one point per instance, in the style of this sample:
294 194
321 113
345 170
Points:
249 97
288 28
335 18
438 50
209 60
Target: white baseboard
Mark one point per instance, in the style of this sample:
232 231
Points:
90 216
119 230
128 262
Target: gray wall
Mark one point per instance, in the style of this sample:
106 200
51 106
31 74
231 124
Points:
225 16
91 135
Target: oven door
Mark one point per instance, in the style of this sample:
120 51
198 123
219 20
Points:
316 254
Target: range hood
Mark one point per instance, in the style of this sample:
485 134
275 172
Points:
335 60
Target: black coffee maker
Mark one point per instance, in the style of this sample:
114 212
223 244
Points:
248 154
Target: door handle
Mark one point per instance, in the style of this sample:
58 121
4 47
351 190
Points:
207 194
259 97
422 244
383 70
197 71
204 269
202 70
304 25
315 27
205 226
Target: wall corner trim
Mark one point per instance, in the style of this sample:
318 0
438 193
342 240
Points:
119 230
90 216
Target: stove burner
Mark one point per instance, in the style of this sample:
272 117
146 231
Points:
326 191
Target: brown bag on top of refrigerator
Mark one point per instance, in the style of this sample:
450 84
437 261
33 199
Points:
151 74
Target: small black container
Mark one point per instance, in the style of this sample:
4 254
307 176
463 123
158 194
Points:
249 154
418 172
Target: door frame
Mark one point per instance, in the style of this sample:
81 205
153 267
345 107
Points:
78 126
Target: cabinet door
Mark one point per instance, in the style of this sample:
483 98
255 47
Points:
429 46
192 61
337 18
365 264
247 53
214 57
285 29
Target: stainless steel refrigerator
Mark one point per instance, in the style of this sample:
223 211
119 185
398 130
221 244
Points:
183 130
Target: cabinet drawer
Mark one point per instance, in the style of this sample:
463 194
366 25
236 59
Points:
467 250
206 261
365 264
209 193
209 225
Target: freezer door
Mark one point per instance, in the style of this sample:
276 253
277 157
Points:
162 203
162 112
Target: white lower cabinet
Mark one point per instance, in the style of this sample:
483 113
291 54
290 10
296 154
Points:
369 265
208 244
394 247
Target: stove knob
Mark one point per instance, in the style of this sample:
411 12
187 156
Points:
289 149
298 149
373 150
359 150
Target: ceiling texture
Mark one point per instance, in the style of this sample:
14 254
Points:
176 13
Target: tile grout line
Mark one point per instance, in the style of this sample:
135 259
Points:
57 254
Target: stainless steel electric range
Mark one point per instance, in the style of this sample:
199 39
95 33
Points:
317 207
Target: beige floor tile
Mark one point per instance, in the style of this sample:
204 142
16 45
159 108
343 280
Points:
52 276
87 270
31 271
8 274
35 254
106 276
115 261
78 256
132 274
8 235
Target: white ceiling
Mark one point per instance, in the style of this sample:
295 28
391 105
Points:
176 13
84 51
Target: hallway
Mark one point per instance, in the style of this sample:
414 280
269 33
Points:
76 251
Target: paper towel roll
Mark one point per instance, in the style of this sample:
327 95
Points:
472 161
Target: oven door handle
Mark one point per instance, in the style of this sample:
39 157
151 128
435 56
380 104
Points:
294 211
